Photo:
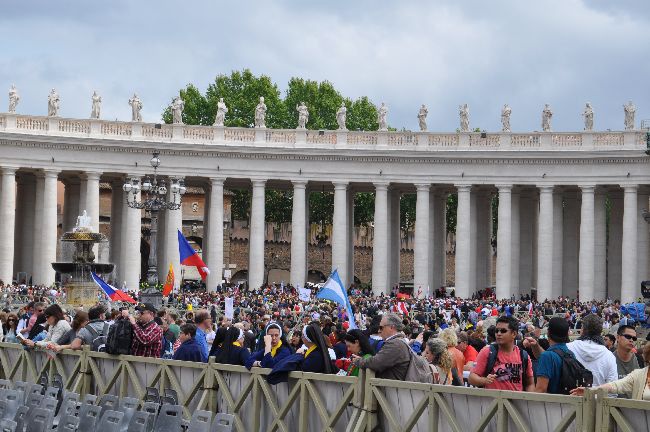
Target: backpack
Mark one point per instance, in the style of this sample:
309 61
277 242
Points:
573 374
419 369
492 359
119 337
98 342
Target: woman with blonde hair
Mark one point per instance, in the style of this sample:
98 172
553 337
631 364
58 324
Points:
437 354
451 339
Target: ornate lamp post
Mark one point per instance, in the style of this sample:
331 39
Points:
154 191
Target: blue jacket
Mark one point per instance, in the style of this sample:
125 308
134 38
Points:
340 349
237 356
202 343
188 351
268 361
296 362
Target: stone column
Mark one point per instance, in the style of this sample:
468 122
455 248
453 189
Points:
483 234
213 243
380 244
558 243
515 221
71 204
421 247
299 219
90 186
28 208
117 204
7 223
504 243
37 255
600 247
643 237
351 236
130 258
545 244
173 223
463 244
629 284
340 231
528 209
586 257
395 237
48 239
614 244
257 236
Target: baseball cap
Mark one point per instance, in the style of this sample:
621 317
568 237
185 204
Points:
558 330
141 307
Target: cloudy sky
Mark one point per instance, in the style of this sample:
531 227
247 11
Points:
404 53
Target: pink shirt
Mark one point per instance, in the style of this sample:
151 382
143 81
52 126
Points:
507 368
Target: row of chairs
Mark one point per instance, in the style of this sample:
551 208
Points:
27 408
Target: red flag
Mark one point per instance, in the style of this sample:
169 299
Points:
169 282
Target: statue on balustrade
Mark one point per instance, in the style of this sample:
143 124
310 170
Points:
53 104
422 118
136 106
505 118
341 117
382 113
222 109
303 115
463 112
547 114
588 114
177 110
97 106
260 114
630 111
14 97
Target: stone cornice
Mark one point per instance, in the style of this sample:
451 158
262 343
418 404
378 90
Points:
347 155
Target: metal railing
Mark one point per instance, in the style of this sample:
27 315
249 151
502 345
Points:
311 401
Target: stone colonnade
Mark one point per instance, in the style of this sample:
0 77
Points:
551 238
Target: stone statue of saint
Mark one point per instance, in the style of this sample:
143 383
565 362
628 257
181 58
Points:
53 104
97 106
83 221
382 113
588 114
177 110
222 109
136 106
463 113
505 118
260 114
546 118
303 115
422 118
630 111
341 117
14 97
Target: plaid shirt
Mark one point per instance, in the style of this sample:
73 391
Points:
147 340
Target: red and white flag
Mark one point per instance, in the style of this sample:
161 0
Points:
402 308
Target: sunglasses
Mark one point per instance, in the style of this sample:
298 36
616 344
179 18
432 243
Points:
501 330
629 337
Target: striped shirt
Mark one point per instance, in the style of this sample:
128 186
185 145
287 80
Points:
147 340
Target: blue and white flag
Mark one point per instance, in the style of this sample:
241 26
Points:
334 290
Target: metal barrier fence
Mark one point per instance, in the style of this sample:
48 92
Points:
325 402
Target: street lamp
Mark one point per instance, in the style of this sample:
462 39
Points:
153 199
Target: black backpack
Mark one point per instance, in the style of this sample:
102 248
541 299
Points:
492 359
119 337
99 340
573 374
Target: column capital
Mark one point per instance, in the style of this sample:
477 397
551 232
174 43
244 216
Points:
91 175
258 182
504 187
340 185
545 188
8 170
381 185
217 181
422 187
463 187
589 188
49 173
630 187
299 184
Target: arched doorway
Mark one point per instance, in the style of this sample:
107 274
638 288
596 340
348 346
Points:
316 276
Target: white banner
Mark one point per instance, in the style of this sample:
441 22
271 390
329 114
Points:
304 294
230 310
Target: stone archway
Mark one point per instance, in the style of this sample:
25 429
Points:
240 276
316 276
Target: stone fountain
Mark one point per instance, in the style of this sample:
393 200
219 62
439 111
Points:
79 286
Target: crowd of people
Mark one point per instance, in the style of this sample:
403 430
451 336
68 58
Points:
559 346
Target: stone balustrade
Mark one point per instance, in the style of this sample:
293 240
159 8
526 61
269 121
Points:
289 138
